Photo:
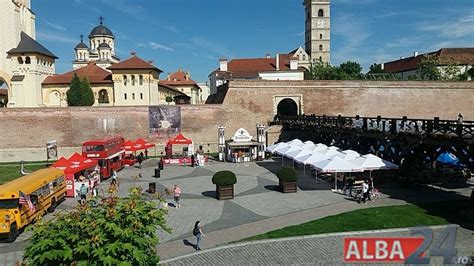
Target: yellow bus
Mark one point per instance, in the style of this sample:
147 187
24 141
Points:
42 190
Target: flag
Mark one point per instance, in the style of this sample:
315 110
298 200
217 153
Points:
25 200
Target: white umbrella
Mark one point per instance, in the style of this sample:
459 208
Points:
310 158
336 165
330 151
321 146
371 162
309 142
294 142
302 152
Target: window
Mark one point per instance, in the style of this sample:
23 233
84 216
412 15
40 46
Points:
321 59
28 60
133 96
103 96
304 57
125 96
20 60
320 36
320 47
140 80
125 81
320 13
141 96
133 80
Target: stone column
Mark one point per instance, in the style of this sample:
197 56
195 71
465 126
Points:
221 142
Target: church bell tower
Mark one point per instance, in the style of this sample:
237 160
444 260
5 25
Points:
318 29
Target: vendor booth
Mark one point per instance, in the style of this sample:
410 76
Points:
131 148
242 148
78 170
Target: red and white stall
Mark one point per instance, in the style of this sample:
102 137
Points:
179 150
78 170
131 148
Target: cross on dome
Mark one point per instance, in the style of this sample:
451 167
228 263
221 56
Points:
101 20
82 37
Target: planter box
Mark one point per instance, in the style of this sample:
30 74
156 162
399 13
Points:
287 186
225 192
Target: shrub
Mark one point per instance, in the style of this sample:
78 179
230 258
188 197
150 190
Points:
287 174
224 178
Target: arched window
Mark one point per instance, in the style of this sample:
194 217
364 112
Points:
133 80
20 60
125 81
320 13
321 36
133 96
140 80
304 57
28 60
103 96
141 96
320 47
124 96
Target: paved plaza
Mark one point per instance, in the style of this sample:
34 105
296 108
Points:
257 208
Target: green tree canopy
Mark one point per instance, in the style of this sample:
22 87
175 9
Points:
322 71
376 69
428 68
350 70
169 99
80 92
118 231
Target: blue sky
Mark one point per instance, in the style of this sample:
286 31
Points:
194 34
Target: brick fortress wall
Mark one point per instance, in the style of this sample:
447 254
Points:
24 132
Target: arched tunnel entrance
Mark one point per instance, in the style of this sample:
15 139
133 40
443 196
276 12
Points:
3 93
287 107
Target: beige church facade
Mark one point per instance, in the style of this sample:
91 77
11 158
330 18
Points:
24 63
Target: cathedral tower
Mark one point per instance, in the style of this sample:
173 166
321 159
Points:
318 29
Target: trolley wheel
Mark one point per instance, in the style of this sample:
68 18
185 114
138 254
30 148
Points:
13 233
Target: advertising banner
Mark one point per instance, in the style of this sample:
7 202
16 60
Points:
164 121
52 149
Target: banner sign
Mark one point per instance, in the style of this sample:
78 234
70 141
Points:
164 121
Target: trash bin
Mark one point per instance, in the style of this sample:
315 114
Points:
157 172
152 187
160 165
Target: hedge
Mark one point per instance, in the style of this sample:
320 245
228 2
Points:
224 178
287 174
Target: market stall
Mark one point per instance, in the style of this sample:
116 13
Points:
78 170
179 150
242 148
129 158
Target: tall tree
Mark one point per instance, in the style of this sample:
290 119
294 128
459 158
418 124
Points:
74 92
428 68
350 70
322 71
87 94
451 71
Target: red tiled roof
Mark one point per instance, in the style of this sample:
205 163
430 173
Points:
94 73
134 62
170 88
178 78
461 56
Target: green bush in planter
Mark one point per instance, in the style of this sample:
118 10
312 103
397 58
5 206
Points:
224 178
287 174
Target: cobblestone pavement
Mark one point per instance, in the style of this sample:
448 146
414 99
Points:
317 249
256 208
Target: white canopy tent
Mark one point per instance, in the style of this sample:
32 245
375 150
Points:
370 162
346 155
274 147
336 165
310 158
330 151
294 142
302 152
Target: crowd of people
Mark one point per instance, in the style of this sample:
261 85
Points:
364 192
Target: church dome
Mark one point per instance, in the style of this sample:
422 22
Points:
81 45
104 46
101 30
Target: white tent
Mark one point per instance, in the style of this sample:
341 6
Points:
295 142
372 162
330 151
346 155
309 142
295 148
336 165
320 146
302 152
274 147
310 158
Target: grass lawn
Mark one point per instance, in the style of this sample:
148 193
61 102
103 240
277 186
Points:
378 218
10 172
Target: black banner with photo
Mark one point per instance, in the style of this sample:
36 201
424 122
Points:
164 121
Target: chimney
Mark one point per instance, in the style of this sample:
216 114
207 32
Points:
187 75
268 56
223 65
133 54
169 76
415 54
382 65
402 57
277 62
293 63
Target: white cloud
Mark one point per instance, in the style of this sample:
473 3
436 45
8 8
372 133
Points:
55 26
404 42
212 47
55 37
460 27
156 46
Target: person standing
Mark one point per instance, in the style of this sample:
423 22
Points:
140 160
371 188
193 160
177 195
350 184
146 153
83 193
197 232
365 191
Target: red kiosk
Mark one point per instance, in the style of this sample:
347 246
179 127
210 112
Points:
179 150
78 170
132 147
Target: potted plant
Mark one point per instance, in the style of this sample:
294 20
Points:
224 181
288 178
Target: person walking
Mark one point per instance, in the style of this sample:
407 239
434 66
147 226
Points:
371 188
349 185
197 232
365 191
83 193
177 195
146 153
140 160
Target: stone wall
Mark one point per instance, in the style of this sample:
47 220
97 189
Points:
24 132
